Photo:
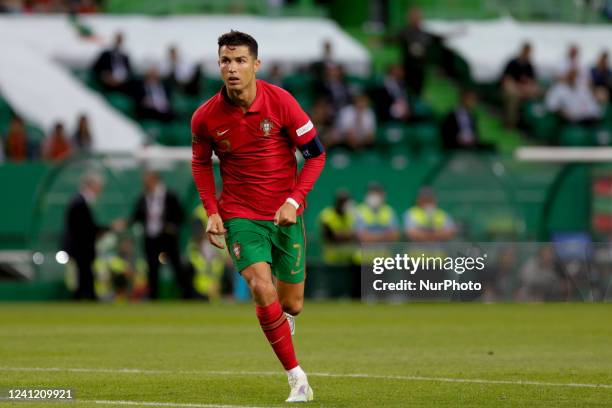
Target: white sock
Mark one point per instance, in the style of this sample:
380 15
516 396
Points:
296 371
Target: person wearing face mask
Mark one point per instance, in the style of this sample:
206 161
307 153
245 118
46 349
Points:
425 222
337 226
376 220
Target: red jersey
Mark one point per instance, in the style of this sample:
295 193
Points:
256 151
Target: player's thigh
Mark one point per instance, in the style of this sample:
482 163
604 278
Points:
248 243
289 253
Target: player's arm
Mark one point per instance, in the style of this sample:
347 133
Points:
204 177
303 135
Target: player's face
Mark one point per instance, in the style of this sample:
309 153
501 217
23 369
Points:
238 67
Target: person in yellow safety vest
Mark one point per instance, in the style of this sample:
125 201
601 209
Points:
376 221
337 227
425 222
207 264
199 214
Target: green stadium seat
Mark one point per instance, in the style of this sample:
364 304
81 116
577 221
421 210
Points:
427 136
421 109
572 135
541 124
121 102
152 128
6 113
602 136
179 133
391 135
185 105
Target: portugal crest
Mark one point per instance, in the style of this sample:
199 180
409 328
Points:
236 250
266 126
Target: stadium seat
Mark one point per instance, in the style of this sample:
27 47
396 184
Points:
541 124
121 102
391 135
6 113
602 136
572 135
421 110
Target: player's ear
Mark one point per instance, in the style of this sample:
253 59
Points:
257 64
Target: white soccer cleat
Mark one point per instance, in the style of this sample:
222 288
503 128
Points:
300 390
291 321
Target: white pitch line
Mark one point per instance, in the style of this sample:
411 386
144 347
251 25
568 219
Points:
165 404
313 374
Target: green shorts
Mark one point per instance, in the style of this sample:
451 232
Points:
251 241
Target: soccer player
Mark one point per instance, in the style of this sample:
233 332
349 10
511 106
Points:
254 129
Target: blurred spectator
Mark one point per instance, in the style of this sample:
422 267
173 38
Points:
152 97
356 124
161 215
180 74
391 100
226 284
601 79
320 67
337 221
48 6
275 76
376 221
81 139
426 222
11 6
321 114
415 44
81 232
459 127
518 84
206 265
540 277
56 146
84 6
112 68
571 63
573 101
334 87
498 279
338 236
116 270
17 143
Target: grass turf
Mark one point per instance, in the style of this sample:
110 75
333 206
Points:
180 349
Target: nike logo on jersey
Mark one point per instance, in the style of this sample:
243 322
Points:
295 272
219 134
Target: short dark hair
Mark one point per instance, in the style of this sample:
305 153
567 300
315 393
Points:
235 38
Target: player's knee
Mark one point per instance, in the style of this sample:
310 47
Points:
260 287
293 306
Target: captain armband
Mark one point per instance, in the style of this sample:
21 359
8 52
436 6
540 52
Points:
312 149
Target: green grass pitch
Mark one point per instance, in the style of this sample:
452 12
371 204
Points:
415 355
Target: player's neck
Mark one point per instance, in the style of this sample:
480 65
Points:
244 98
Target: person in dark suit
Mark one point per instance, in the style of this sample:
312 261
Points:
459 128
81 232
153 98
112 69
415 44
161 215
390 99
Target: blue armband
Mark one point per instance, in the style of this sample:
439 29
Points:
312 149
